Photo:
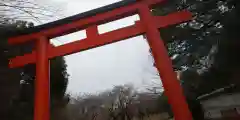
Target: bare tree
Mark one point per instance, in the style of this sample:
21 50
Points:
121 103
25 10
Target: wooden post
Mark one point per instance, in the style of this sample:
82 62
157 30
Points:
170 83
42 83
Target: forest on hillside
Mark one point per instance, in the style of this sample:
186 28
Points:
204 51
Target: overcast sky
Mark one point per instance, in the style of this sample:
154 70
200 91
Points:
101 68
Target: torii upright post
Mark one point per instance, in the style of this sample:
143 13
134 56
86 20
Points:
89 21
163 63
42 85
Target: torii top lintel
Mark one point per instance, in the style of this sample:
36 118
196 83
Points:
89 21
80 21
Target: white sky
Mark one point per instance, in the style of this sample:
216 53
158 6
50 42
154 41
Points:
101 68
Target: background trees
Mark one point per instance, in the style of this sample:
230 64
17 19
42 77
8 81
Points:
122 102
26 10
206 44
20 82
17 85
205 49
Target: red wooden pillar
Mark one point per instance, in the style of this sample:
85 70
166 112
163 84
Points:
42 86
170 83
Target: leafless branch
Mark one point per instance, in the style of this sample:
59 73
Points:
25 9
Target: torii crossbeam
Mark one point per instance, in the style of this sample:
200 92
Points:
147 24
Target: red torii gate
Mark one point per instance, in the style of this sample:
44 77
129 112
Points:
147 24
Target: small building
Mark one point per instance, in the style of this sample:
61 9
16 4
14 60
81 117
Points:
221 104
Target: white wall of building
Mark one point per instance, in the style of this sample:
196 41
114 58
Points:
213 107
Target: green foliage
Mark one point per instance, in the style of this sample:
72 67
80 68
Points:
205 44
190 43
18 99
205 48
59 77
